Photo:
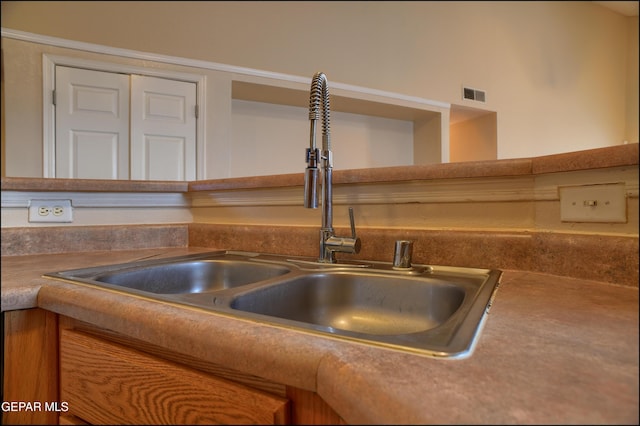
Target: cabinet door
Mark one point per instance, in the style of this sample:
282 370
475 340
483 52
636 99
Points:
107 383
163 129
92 124
121 126
30 370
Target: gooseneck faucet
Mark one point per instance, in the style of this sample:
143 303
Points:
329 243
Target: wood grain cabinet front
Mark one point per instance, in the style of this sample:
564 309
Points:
104 382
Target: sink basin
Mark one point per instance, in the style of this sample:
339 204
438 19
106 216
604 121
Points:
428 310
436 312
185 275
358 302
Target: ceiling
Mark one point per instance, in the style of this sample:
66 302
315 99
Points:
627 8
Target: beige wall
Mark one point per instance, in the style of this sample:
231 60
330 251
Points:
474 139
560 75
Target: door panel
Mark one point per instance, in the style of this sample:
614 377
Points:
121 126
101 146
165 157
92 124
163 129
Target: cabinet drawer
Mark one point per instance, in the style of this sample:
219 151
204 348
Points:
104 382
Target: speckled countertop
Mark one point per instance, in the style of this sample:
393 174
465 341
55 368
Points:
613 156
553 350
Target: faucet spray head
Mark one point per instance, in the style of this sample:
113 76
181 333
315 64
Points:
311 188
311 180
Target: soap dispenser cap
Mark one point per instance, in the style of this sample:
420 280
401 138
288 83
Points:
402 254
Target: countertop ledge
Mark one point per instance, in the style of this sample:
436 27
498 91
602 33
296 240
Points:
613 156
91 185
553 349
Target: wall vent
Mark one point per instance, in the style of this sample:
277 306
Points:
473 94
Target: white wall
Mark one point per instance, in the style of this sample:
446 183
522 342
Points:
271 139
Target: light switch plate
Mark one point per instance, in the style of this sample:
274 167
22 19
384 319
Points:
593 203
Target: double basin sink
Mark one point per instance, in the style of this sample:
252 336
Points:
428 310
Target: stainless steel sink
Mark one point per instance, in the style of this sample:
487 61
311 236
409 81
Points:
183 275
358 302
434 310
429 310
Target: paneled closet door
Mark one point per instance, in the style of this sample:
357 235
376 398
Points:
92 124
163 129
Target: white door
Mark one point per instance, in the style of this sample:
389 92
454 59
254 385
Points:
92 124
121 126
163 129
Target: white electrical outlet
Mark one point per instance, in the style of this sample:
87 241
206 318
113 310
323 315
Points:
593 203
50 211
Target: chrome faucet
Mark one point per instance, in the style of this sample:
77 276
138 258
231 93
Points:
329 243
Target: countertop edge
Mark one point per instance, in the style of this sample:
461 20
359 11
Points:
606 157
239 344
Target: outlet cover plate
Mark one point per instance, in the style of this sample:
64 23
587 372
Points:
593 203
50 211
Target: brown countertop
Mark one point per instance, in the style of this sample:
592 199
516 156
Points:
91 185
612 156
553 349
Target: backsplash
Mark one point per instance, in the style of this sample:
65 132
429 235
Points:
605 258
49 240
612 259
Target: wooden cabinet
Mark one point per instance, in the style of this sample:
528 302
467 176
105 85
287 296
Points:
108 383
30 367
89 375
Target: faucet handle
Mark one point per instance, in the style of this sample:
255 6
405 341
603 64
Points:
353 223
